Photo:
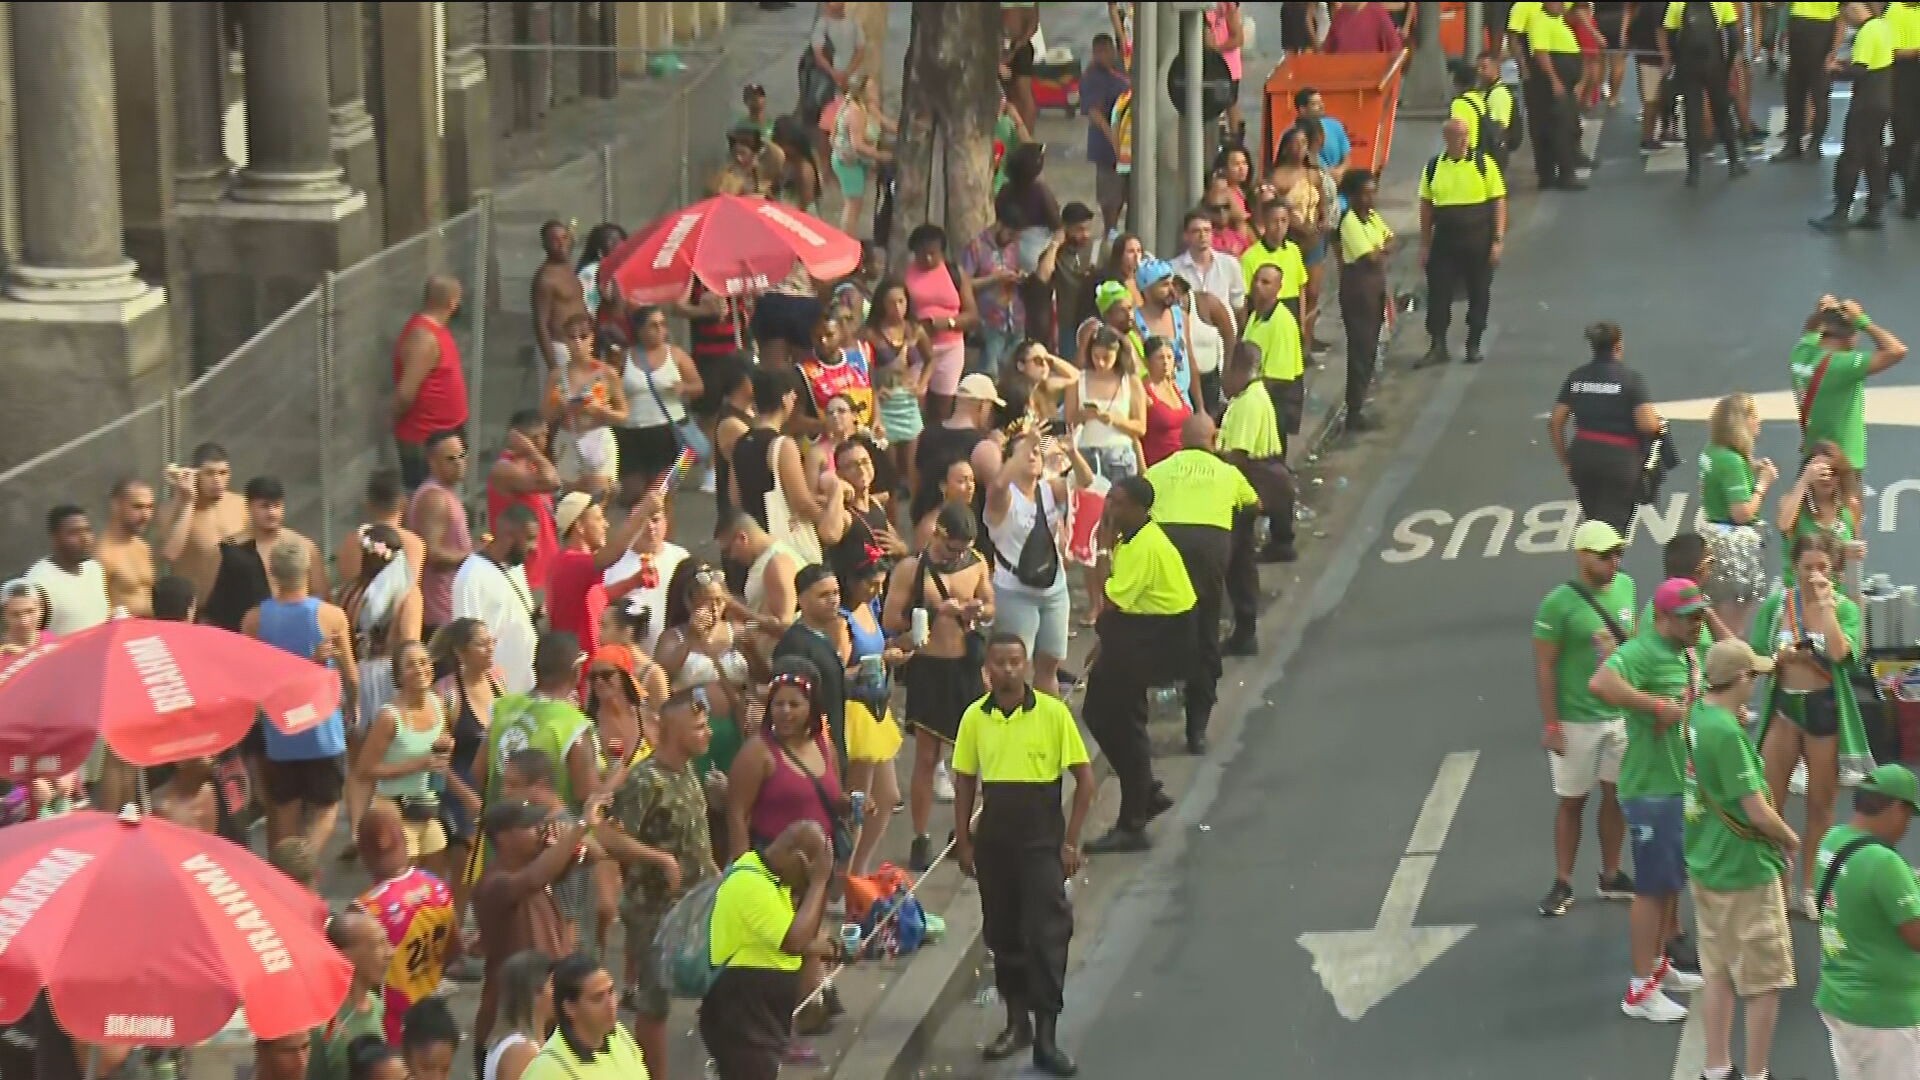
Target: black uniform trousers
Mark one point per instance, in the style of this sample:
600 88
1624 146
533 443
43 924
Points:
1606 480
1556 120
1705 96
1809 86
1206 550
1906 129
1461 262
1024 915
1863 149
1363 308
1243 574
1137 653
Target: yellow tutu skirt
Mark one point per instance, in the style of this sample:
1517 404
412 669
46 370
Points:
870 737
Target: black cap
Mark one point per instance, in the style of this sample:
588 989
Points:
517 814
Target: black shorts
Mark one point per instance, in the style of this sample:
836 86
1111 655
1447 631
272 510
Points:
783 317
1020 64
647 451
313 781
939 689
1817 712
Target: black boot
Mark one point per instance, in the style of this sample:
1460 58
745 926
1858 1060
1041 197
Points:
1017 1036
1047 1055
1240 642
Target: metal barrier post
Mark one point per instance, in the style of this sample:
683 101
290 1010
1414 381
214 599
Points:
478 304
607 211
328 466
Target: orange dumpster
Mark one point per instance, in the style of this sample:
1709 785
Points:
1361 90
1453 28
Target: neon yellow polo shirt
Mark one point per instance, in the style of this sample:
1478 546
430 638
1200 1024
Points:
1034 744
1148 577
1195 487
1362 236
1293 266
1873 45
1904 21
1468 181
752 913
1818 12
1251 426
1724 14
1520 16
1549 33
1277 336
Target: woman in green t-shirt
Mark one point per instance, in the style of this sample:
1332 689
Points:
1733 488
1826 499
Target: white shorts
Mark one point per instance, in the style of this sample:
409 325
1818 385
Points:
1863 1053
1593 755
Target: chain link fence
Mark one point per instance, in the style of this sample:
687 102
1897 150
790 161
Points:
307 400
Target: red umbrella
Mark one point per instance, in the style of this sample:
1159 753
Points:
733 245
157 691
145 931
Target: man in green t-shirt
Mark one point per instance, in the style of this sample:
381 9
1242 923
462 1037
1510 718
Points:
1578 626
1869 992
1737 851
1830 372
546 720
1686 556
1654 678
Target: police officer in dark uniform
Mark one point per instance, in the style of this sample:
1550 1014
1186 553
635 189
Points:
1613 419
1463 223
1014 746
1814 34
1195 497
1863 148
1699 45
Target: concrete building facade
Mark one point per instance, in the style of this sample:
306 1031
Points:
184 172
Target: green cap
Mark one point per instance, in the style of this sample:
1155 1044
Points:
1108 294
1895 782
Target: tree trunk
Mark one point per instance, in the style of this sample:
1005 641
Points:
950 97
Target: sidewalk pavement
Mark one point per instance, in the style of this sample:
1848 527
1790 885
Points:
896 1007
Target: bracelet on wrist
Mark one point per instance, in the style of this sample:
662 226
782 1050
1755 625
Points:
1862 323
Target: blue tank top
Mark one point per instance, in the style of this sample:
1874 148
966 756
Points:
296 628
1182 372
868 643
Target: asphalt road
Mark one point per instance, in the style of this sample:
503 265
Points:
1402 745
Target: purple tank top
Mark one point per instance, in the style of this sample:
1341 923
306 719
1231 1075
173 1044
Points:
787 795
436 585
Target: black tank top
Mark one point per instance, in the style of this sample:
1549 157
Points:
723 469
752 473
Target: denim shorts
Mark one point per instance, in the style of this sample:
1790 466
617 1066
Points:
1037 618
1112 463
1657 826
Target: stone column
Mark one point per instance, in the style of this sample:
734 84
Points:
468 105
289 145
143 103
70 220
409 108
201 169
350 126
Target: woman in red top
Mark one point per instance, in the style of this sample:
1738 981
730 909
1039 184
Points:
1167 408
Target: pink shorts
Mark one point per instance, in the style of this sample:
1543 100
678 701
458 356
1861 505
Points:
949 361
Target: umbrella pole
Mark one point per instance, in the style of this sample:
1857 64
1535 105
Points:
93 1062
145 797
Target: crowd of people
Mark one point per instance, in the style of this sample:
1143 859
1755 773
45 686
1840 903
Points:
1693 718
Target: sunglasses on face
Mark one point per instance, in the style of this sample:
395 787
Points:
707 579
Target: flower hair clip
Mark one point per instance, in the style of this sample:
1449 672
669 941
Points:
374 547
790 678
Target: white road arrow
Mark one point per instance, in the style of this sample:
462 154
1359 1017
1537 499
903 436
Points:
1361 967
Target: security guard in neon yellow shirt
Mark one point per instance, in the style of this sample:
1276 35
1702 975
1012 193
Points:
1146 632
1013 747
1904 20
1484 104
1814 34
1863 148
1249 440
1195 497
1463 223
1555 75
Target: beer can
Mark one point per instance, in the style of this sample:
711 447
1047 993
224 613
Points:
859 800
921 629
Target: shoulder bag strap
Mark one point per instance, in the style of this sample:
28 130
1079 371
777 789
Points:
1813 390
1619 636
1832 873
1738 828
819 789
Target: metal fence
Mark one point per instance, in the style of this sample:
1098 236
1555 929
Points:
307 399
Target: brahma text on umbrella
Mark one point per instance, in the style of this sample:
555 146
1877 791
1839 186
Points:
682 226
35 888
1547 528
142 1028
160 674
261 936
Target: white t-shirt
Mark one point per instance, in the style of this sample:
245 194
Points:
654 599
77 601
501 600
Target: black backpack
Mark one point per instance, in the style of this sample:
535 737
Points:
1492 137
1479 159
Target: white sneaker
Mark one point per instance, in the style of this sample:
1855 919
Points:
1656 1007
942 783
1676 981
1797 783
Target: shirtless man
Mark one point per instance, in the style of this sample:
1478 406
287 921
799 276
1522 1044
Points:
386 504
202 510
953 584
123 551
557 293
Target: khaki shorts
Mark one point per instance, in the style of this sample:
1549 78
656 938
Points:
1744 935
647 996
1593 757
1863 1053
